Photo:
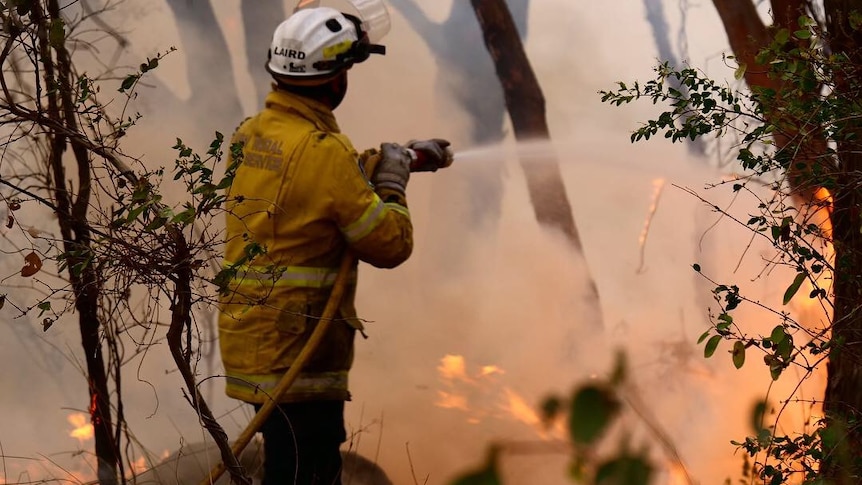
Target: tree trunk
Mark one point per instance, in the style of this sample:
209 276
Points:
181 310
843 401
466 78
72 217
843 397
526 105
747 35
210 68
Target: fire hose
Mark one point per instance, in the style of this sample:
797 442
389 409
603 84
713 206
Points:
420 164
341 281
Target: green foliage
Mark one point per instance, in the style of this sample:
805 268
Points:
787 458
590 411
593 408
127 252
131 80
795 133
625 469
487 474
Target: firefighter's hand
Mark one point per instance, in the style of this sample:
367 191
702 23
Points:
393 170
435 152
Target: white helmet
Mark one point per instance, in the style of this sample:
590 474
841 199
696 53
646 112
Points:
373 14
315 44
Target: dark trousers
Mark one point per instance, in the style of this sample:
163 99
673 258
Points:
301 443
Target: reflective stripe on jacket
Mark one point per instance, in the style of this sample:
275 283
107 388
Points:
299 193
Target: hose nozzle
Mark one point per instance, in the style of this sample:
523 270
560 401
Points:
422 162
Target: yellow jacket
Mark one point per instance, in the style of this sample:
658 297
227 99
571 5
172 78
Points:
300 193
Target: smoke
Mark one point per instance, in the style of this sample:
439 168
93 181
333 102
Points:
506 295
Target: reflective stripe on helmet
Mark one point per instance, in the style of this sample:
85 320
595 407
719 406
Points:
298 276
239 384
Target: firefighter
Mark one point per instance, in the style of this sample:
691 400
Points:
301 197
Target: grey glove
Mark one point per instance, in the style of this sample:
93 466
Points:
434 154
393 171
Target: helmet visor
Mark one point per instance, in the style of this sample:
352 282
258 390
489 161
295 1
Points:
373 14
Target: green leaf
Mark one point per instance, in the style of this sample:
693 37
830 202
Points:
487 475
738 354
757 416
625 469
551 408
794 287
57 33
44 306
156 223
592 410
778 334
711 345
128 82
134 213
23 6
149 65
739 73
185 217
784 349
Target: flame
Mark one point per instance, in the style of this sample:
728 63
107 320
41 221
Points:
488 370
453 368
823 213
480 395
20 469
139 466
83 429
448 400
677 474
658 188
811 313
143 464
519 409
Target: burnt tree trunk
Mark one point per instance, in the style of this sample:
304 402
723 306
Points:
465 76
526 105
747 35
72 218
843 400
842 404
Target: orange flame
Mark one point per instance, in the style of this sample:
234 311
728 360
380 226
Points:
677 475
488 370
811 312
82 428
453 368
519 409
449 400
480 395
823 213
146 462
658 188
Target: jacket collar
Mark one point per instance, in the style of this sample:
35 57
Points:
314 111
